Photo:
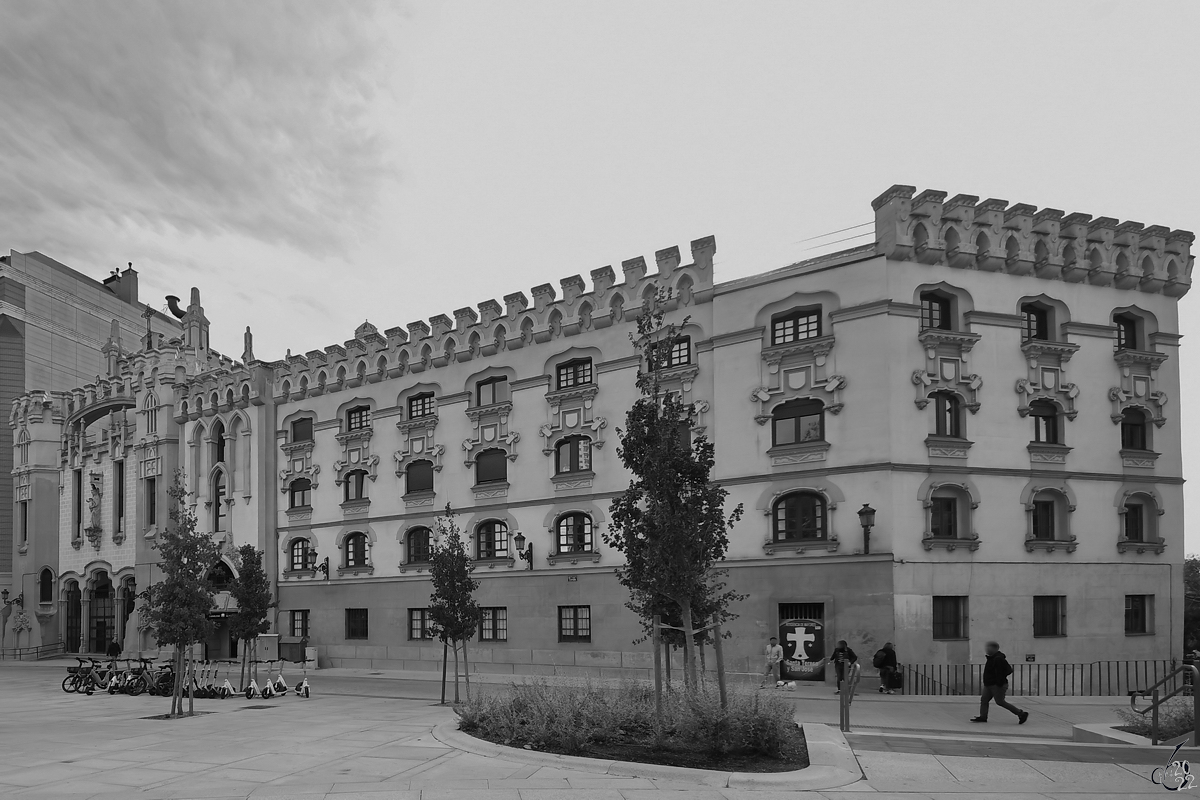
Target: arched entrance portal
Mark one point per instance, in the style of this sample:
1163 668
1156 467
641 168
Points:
102 614
73 621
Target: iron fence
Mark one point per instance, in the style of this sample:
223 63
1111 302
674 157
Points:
33 653
1094 679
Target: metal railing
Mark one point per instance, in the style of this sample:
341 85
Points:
1094 679
33 653
1174 684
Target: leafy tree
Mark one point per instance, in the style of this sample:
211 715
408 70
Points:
252 591
453 612
670 524
178 606
1191 603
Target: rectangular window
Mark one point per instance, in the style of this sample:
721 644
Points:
418 624
421 405
951 619
356 623
935 311
1126 332
1037 323
949 415
493 624
358 418
574 623
23 511
801 611
418 477
151 489
796 326
119 495
302 430
1050 615
1043 519
1133 432
943 517
492 391
300 624
574 373
1135 522
681 352
1139 613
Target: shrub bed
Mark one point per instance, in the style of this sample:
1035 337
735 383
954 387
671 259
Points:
1175 718
756 733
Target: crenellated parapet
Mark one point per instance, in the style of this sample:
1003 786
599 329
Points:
966 233
542 316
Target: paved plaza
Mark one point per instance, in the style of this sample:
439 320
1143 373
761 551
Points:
370 737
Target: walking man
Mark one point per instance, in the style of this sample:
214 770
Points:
842 658
774 654
995 684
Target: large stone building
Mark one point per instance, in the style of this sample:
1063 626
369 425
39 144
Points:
53 325
992 379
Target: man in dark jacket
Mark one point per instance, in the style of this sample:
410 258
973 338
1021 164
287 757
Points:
885 659
842 657
995 684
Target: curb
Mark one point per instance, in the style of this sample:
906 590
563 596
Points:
832 764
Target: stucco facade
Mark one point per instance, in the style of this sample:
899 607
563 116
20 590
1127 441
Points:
994 380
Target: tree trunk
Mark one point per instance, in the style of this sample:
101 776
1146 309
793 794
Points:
191 680
466 670
456 672
689 641
700 647
445 655
719 652
177 689
667 655
245 645
656 643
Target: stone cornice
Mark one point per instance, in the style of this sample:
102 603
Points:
875 308
738 337
993 319
1089 329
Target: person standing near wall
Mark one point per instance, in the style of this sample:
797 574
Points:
885 662
842 657
774 654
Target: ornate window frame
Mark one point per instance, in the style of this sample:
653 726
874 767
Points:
550 525
339 544
817 485
297 456
285 547
1153 539
1064 507
968 536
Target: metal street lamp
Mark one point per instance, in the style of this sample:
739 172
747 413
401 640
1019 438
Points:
525 554
19 600
866 516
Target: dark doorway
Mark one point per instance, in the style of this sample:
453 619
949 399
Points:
102 614
74 614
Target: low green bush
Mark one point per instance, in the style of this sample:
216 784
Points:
568 719
1175 718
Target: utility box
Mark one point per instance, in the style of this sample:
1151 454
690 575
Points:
268 647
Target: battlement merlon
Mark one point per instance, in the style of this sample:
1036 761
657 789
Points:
1019 239
427 343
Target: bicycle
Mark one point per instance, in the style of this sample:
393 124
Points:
75 676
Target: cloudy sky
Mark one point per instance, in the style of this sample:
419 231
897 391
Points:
311 165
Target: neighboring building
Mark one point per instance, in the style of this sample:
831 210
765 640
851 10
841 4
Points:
53 324
992 379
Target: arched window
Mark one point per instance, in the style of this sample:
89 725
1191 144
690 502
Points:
358 418
491 466
949 513
1135 431
491 540
799 516
354 485
419 541
1048 516
220 577
798 421
1046 427
948 415
46 586
151 409
356 550
574 533
217 435
1129 331
573 454
219 509
301 555
1139 519
936 311
418 477
1037 321
299 493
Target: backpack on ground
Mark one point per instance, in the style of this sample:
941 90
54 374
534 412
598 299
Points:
880 658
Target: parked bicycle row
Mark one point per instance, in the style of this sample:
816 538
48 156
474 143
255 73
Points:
93 675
